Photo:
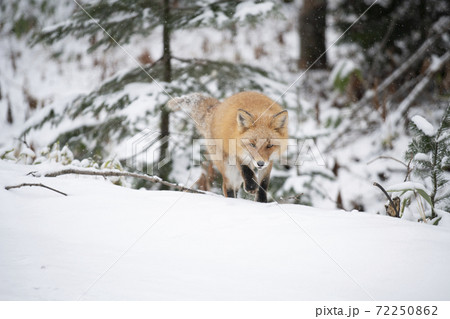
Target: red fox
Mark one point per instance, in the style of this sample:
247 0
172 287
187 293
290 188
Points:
250 130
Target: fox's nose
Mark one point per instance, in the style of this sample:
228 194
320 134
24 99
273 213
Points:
260 163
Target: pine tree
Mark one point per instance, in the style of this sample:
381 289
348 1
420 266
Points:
111 103
430 154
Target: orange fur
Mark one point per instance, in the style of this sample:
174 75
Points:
249 127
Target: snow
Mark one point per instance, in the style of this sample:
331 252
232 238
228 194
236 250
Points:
342 70
250 8
422 157
436 62
423 125
28 152
105 242
405 186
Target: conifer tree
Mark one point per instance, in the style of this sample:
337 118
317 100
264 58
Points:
170 75
430 153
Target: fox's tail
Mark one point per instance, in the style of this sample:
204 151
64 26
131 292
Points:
198 106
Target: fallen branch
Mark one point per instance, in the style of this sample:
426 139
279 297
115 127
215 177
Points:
109 173
397 213
432 70
35 184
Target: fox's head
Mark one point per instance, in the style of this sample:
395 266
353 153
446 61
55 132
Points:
262 138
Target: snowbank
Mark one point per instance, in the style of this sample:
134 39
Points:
109 242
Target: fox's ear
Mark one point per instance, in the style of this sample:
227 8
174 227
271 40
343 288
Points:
279 120
244 119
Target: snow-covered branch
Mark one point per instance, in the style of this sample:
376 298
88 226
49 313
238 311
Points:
439 28
436 65
108 173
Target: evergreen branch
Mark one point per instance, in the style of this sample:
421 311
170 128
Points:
237 68
442 197
445 123
435 160
197 7
436 222
397 213
34 184
195 60
125 19
109 173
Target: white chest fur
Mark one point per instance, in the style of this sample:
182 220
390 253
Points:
234 176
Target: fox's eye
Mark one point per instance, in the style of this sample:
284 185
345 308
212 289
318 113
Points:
269 145
252 145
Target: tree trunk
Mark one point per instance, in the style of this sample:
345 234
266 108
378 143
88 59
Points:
166 42
312 25
164 171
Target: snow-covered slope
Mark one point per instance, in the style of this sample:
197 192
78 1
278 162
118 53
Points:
108 242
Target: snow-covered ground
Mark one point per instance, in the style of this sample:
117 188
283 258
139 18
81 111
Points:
108 242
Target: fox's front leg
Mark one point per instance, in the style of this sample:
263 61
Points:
228 191
264 178
231 179
250 184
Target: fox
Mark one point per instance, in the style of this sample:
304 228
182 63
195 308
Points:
250 131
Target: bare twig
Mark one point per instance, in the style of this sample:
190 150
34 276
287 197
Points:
24 141
35 184
408 169
389 197
408 166
386 157
106 173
